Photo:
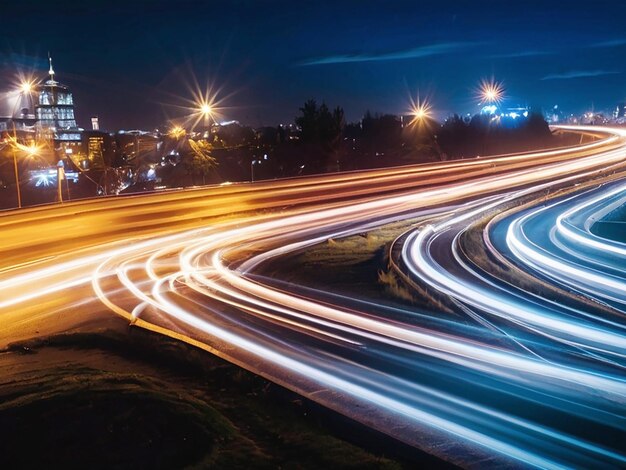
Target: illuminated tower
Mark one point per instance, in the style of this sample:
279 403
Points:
55 114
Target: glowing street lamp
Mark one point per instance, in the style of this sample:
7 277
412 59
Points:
421 112
207 111
202 107
17 176
491 92
205 108
31 150
26 87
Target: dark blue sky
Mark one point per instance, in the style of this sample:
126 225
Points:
132 62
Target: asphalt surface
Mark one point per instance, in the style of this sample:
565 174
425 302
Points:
517 380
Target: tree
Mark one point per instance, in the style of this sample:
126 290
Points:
454 137
199 160
490 135
320 134
319 125
381 132
308 122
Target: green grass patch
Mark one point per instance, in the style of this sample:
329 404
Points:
161 404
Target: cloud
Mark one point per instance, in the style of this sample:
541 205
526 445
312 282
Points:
514 55
579 74
414 53
610 43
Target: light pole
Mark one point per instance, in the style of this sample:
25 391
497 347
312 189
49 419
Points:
255 161
25 88
60 178
252 163
17 177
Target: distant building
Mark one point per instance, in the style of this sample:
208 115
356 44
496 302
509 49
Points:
20 123
95 123
22 128
136 147
55 116
620 111
95 151
100 150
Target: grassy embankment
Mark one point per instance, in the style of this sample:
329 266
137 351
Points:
135 399
357 266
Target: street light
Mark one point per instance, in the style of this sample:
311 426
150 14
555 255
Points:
25 88
31 150
421 111
17 176
255 162
252 163
491 92
206 110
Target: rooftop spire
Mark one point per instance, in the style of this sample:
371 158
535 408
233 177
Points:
51 71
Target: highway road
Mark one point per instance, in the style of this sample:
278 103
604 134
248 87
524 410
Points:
529 371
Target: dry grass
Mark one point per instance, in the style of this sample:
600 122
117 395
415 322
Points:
395 287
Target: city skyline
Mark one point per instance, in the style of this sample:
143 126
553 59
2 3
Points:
355 61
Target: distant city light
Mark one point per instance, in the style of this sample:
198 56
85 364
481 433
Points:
48 177
177 132
489 109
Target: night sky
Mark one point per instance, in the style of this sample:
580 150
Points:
132 63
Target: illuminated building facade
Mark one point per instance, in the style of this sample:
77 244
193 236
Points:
134 147
95 152
99 150
55 115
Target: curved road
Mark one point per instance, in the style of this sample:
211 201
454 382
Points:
518 379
